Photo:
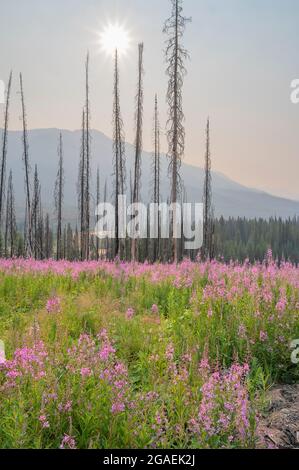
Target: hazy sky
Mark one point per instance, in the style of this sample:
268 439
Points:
243 56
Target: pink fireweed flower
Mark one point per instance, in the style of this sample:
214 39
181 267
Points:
68 442
85 372
224 405
106 352
169 353
155 309
27 362
53 305
263 336
65 407
117 407
130 313
242 331
43 420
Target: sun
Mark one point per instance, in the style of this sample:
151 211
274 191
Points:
114 37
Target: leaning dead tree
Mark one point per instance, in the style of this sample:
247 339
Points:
28 235
175 56
156 180
118 157
208 223
4 149
138 141
10 224
58 198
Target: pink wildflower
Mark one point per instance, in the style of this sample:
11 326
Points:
43 421
155 309
53 305
263 336
130 313
68 442
85 372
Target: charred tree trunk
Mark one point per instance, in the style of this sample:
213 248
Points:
35 214
98 196
28 237
48 238
81 188
138 142
156 180
175 55
207 248
118 157
58 198
4 150
10 225
87 180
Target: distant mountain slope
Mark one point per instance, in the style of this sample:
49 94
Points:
230 198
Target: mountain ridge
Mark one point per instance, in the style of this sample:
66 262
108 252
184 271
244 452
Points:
231 199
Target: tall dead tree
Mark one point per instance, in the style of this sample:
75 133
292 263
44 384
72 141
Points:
69 242
107 255
156 179
4 149
10 225
58 198
118 155
35 207
40 229
81 189
76 244
138 141
175 56
98 196
28 235
208 224
87 155
48 238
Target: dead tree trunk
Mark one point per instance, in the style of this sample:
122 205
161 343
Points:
48 238
138 142
81 188
156 182
87 142
4 149
58 198
175 55
28 239
35 214
208 224
97 203
118 157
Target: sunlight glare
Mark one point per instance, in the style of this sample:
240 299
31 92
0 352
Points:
113 37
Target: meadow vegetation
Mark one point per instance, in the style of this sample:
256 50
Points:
124 355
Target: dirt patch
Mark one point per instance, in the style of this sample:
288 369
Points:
280 427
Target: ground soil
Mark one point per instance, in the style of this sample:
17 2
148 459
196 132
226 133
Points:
279 428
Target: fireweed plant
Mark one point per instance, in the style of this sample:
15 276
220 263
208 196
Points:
124 355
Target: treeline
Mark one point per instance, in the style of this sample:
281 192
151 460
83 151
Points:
234 239
241 239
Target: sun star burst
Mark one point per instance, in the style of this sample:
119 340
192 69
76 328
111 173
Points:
114 37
